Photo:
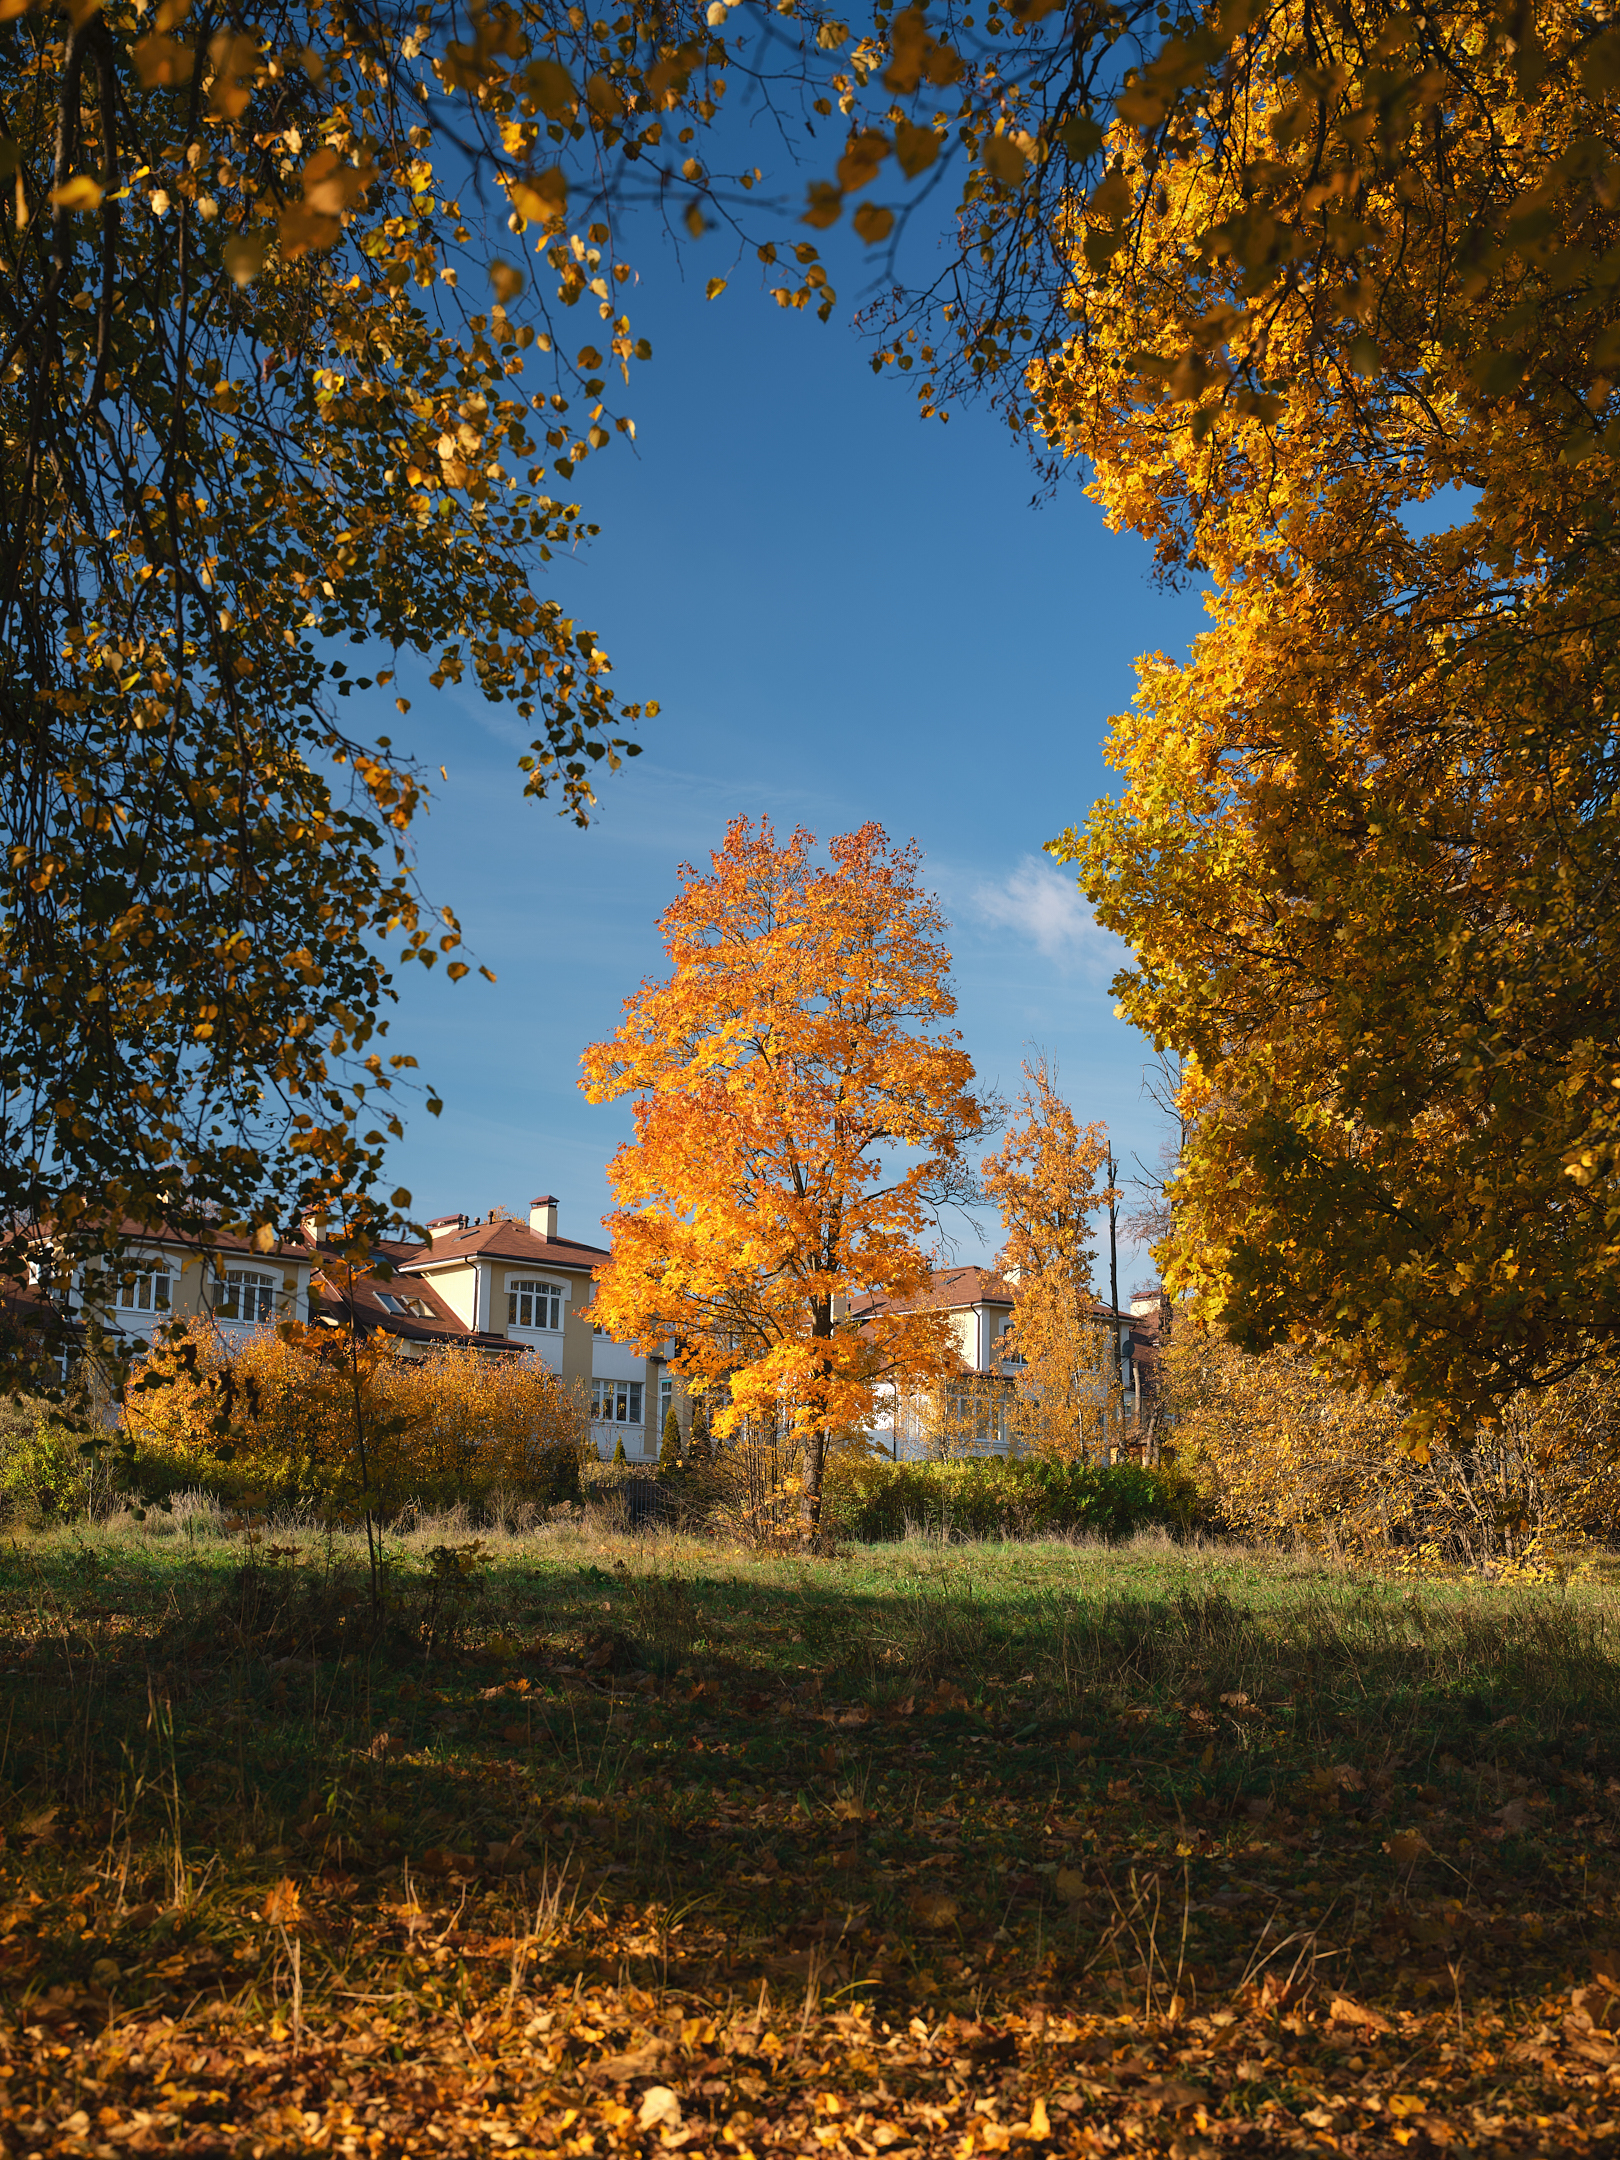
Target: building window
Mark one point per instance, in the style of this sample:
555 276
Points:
534 1305
666 1395
616 1402
244 1294
416 1307
147 1291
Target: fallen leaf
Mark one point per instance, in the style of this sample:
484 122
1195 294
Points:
1070 1885
935 1909
1171 2093
659 2105
281 1903
1407 1847
644 2061
1344 2011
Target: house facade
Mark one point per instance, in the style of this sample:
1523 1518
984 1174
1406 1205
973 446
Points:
508 1285
975 1407
163 1276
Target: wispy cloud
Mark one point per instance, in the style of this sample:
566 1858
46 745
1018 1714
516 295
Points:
1042 904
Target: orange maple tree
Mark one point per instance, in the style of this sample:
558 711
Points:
801 1108
1043 1178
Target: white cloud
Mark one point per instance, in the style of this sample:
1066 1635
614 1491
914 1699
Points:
1042 904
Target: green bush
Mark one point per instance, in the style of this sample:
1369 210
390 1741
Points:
45 1475
993 1496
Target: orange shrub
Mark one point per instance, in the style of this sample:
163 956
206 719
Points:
287 1415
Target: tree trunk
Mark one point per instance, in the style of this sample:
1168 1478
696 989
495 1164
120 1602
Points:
815 1464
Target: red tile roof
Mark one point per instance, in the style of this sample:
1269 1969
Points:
506 1239
947 1289
438 1324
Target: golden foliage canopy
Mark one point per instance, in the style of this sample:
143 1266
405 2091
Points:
268 382
1364 847
801 1106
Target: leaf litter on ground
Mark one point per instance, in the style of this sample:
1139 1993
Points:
1201 1852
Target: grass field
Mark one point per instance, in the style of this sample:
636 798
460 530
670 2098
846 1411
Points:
598 1845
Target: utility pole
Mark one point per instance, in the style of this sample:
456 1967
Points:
1113 1229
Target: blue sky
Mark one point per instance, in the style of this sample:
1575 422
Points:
845 613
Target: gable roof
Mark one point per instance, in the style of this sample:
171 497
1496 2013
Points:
947 1290
505 1239
364 1304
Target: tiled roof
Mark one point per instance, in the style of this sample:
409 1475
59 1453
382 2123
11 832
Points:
947 1289
507 1239
439 1324
135 1233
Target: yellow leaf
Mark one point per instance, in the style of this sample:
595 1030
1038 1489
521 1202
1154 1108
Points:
235 61
542 201
1070 1885
602 96
858 166
1004 161
505 279
826 205
659 2105
873 223
79 193
935 1909
281 1903
553 89
915 147
715 287
244 257
162 62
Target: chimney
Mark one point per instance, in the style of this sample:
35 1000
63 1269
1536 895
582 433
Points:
443 1226
543 1215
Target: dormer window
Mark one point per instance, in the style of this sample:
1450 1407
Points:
417 1308
534 1305
245 1294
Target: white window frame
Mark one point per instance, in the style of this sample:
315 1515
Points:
246 1296
531 1295
144 1288
616 1402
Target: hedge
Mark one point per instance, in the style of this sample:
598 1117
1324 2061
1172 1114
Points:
994 1496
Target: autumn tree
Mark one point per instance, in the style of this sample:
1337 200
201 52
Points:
1363 853
285 366
1043 1179
801 1106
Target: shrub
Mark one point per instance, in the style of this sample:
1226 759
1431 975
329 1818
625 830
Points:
47 1474
996 1496
1280 1449
280 1420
